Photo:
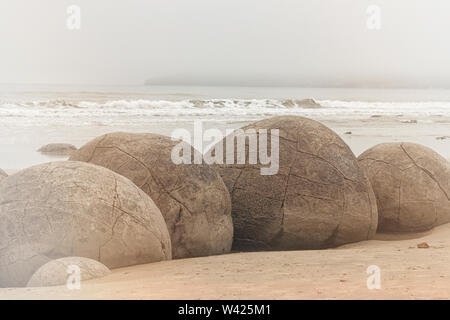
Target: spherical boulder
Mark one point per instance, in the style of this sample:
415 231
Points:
67 270
411 184
68 208
319 197
192 197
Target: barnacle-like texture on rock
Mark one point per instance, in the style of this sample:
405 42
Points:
192 197
319 198
66 271
412 186
69 208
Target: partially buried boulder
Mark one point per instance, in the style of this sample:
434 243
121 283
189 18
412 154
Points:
412 186
58 149
319 197
68 208
67 270
192 197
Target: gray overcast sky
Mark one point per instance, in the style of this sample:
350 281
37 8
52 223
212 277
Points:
227 42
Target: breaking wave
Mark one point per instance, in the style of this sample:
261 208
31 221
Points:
141 111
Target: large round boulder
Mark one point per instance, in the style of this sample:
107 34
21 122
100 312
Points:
412 186
67 271
319 197
69 208
192 197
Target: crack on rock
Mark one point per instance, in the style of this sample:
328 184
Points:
116 197
153 177
426 171
236 181
384 162
259 194
281 231
371 213
316 182
331 240
96 146
329 163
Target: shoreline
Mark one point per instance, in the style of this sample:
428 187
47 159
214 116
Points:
22 142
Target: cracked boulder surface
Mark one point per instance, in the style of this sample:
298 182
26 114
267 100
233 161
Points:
319 198
192 197
412 186
68 208
58 272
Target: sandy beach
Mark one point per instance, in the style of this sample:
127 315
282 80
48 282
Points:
224 150
407 272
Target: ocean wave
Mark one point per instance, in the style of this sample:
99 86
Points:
161 104
140 111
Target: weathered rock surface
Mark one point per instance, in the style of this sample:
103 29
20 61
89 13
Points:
192 197
58 149
412 186
319 198
64 270
68 208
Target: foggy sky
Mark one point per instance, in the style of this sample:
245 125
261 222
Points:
227 42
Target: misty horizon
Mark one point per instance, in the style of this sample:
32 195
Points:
227 43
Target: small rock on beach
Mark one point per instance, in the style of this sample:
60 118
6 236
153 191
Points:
58 149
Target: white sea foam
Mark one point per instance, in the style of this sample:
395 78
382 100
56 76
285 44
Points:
141 111
390 108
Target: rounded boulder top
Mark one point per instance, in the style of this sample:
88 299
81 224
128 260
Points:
412 186
66 271
69 208
318 198
192 197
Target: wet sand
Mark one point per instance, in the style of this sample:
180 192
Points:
21 143
407 272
